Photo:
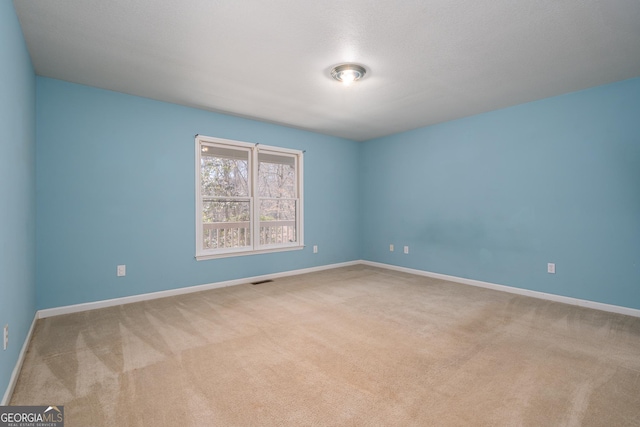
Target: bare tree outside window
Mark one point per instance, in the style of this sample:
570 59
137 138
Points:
245 208
226 206
277 194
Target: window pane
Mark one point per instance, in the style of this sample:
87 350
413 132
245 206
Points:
248 198
226 224
224 172
277 221
276 176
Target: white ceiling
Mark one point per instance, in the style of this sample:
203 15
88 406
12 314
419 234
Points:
428 61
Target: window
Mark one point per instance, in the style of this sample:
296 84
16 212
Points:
248 198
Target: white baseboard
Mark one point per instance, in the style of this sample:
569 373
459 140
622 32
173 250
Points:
16 370
56 311
535 294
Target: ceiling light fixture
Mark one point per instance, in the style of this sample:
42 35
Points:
348 73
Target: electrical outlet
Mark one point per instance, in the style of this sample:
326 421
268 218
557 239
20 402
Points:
551 268
5 337
390 248
315 249
406 249
122 270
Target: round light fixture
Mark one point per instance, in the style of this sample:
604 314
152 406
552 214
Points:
348 73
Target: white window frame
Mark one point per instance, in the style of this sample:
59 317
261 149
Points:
254 199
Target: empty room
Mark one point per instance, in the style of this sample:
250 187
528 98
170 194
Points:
234 213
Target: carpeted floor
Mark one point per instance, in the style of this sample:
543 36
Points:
355 346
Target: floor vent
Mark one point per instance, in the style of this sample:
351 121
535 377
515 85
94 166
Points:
261 282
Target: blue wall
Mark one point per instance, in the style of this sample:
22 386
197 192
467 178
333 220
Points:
494 197
115 183
17 189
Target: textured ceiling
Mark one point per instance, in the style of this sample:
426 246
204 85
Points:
428 61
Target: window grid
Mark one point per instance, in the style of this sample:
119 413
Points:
248 197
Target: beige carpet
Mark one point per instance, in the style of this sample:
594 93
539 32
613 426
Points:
354 346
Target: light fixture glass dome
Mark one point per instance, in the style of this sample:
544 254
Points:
348 73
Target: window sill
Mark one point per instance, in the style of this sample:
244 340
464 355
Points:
244 253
